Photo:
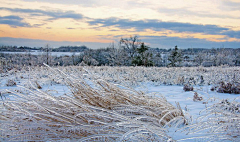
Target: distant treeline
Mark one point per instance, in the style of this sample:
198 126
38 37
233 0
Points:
129 52
27 49
16 49
120 57
70 49
6 48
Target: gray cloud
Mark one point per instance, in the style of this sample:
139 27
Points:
53 14
232 34
185 12
75 2
157 25
230 5
71 28
57 1
13 21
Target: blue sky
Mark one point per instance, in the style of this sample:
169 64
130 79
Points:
96 24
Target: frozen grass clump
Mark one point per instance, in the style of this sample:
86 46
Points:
95 111
132 76
219 122
197 98
11 82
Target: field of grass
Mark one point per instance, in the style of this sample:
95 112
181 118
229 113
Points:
77 103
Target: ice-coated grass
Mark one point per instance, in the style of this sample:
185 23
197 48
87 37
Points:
133 76
96 111
220 121
94 104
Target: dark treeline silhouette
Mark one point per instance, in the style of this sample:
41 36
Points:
16 48
70 49
27 49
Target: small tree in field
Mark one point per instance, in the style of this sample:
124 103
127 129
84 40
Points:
143 58
175 57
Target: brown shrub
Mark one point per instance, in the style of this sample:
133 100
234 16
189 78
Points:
231 88
187 88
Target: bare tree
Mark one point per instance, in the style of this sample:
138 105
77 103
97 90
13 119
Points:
157 59
199 58
130 45
48 53
224 57
117 56
236 59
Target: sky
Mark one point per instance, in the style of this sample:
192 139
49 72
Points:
99 23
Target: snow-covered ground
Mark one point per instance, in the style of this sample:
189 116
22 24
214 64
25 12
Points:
191 108
173 93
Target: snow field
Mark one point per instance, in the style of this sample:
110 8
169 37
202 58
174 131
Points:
159 82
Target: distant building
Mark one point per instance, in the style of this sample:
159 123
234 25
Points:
188 60
208 63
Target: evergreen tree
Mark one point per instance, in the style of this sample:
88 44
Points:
175 57
143 58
